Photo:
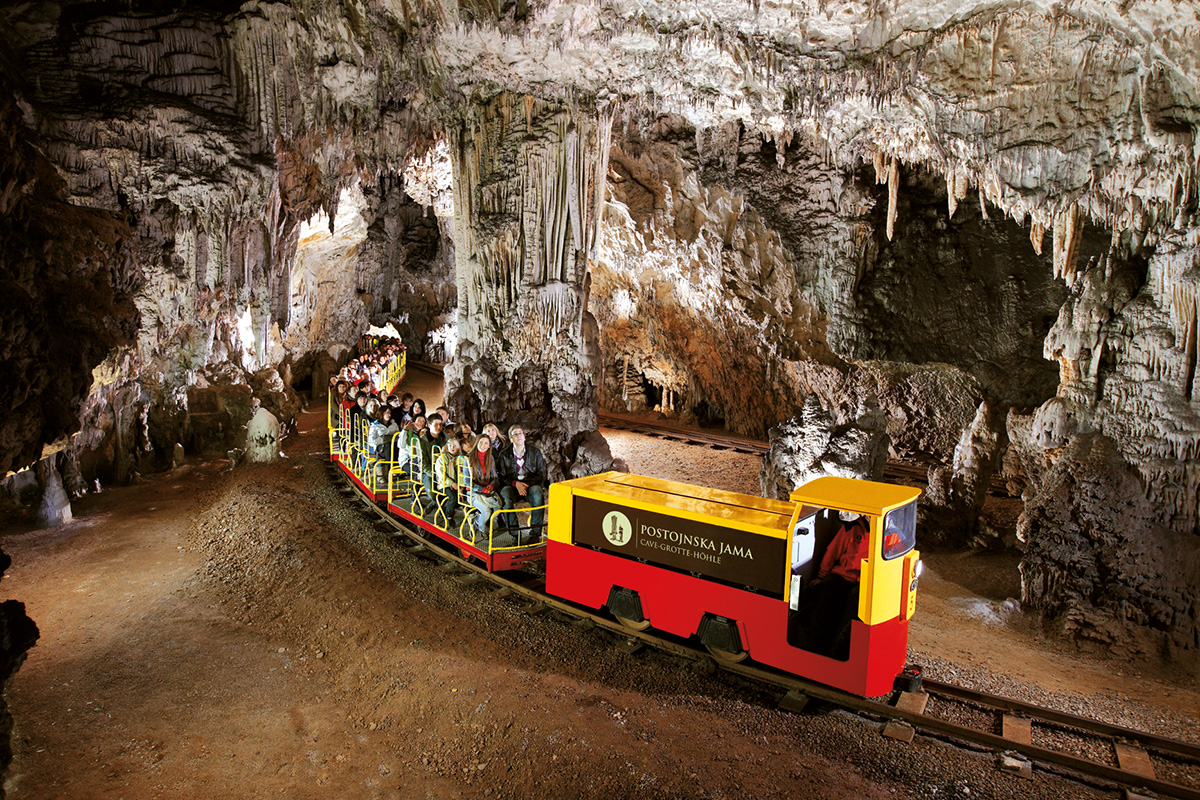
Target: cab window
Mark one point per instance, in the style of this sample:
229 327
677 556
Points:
899 531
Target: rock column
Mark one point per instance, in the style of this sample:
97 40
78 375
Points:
529 179
55 508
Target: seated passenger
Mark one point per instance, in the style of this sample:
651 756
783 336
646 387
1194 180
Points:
446 472
380 432
418 408
836 587
485 494
432 437
412 432
444 413
358 410
406 408
523 476
465 432
499 445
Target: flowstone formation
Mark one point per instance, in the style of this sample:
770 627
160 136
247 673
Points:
811 446
528 186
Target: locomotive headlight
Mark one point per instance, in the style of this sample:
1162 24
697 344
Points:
918 569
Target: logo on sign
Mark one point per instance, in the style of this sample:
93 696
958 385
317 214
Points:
617 528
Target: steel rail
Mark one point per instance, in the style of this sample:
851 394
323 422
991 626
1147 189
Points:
1040 713
740 444
530 589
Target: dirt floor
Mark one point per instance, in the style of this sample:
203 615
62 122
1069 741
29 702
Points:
251 634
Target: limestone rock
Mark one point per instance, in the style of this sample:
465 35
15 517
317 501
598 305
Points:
18 633
813 446
262 437
592 456
1099 562
55 508
958 491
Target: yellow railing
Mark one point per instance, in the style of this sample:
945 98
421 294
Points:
345 443
396 476
523 535
349 442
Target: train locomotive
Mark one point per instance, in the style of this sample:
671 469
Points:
731 570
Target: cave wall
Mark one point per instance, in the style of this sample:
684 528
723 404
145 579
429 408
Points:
202 137
68 285
698 292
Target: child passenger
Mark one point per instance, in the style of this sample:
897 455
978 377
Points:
485 487
446 471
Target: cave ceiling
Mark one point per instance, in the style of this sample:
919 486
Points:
209 132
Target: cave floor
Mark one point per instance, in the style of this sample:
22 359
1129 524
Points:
248 634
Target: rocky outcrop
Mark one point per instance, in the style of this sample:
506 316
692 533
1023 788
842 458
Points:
262 437
1096 551
18 633
55 508
812 446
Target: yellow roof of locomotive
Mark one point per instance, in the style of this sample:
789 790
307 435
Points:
849 494
696 501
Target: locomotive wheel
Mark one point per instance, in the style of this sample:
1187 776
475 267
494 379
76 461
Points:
726 657
633 626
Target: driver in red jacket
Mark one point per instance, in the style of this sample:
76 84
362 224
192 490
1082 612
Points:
837 587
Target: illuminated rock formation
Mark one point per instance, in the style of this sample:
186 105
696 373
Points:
528 190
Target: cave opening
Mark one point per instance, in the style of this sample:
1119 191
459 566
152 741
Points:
709 415
969 290
303 385
654 393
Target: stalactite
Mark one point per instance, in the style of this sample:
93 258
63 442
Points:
893 181
1037 234
1065 243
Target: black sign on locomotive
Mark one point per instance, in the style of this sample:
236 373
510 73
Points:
716 551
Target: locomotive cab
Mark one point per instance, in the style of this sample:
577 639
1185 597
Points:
887 585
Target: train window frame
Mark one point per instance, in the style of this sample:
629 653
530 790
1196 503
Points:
902 520
810 529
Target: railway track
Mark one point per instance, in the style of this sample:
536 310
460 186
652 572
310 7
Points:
1021 734
717 441
896 471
